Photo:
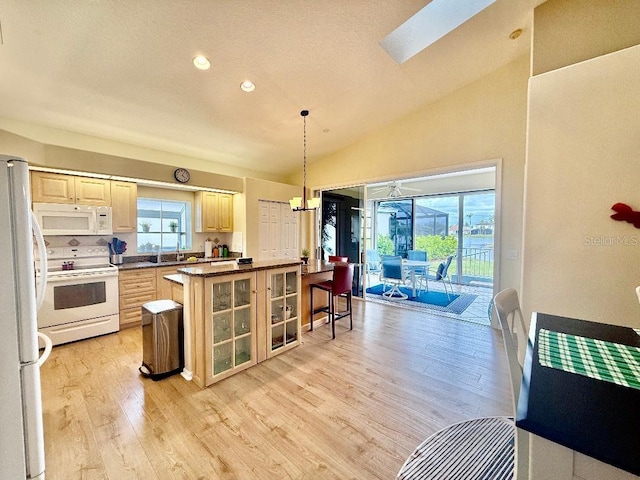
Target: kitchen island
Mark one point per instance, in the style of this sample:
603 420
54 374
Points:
236 316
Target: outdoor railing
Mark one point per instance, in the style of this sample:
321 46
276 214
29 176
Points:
477 265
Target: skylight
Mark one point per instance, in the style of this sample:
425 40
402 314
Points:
429 25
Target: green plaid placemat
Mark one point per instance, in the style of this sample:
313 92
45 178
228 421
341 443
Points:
611 362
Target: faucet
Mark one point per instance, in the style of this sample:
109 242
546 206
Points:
179 256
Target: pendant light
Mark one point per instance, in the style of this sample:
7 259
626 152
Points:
302 204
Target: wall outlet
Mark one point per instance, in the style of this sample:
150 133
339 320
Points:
512 254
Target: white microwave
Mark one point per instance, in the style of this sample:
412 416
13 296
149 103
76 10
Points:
64 219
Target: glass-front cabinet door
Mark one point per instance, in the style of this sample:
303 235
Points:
231 328
283 310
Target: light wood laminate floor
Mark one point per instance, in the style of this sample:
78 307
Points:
350 408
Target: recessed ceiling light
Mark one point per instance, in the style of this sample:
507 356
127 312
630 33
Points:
201 62
247 86
515 34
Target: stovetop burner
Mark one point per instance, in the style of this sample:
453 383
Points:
85 259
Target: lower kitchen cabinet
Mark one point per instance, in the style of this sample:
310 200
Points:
163 286
136 288
283 310
230 325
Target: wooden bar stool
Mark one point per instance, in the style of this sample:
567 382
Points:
339 286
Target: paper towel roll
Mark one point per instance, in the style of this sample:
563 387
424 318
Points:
208 249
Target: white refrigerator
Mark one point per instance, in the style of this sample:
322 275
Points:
21 430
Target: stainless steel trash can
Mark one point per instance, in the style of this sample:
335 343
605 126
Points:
162 339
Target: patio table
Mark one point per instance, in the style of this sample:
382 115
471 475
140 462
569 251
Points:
412 266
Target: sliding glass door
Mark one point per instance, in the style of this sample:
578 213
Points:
341 228
460 224
476 254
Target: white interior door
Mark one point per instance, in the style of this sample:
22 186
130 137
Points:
289 231
278 231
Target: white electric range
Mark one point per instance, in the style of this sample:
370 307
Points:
81 297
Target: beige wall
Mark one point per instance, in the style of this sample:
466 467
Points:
570 31
62 138
245 204
583 144
11 144
52 156
583 157
475 125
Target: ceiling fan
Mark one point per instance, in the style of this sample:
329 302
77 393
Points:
393 190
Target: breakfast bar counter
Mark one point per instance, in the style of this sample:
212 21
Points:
315 271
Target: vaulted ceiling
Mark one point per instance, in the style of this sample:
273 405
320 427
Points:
122 70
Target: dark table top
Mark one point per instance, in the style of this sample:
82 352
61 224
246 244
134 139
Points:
594 417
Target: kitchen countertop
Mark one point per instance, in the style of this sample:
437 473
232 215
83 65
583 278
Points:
175 278
171 263
234 267
316 266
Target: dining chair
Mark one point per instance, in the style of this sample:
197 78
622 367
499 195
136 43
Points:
340 285
421 274
442 275
337 258
393 276
479 448
508 310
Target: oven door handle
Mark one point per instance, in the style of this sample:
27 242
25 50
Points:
42 255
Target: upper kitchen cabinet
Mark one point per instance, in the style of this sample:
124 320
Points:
59 188
124 199
214 212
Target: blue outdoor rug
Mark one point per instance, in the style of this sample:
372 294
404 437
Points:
432 300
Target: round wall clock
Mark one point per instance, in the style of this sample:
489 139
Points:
182 175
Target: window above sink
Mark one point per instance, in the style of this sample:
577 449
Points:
163 225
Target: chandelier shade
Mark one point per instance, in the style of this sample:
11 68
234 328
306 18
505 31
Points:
302 204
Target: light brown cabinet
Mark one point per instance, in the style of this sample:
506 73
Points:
229 326
283 317
214 212
145 285
124 200
59 188
136 288
163 287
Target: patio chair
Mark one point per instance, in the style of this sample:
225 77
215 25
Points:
442 275
393 276
487 447
373 265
